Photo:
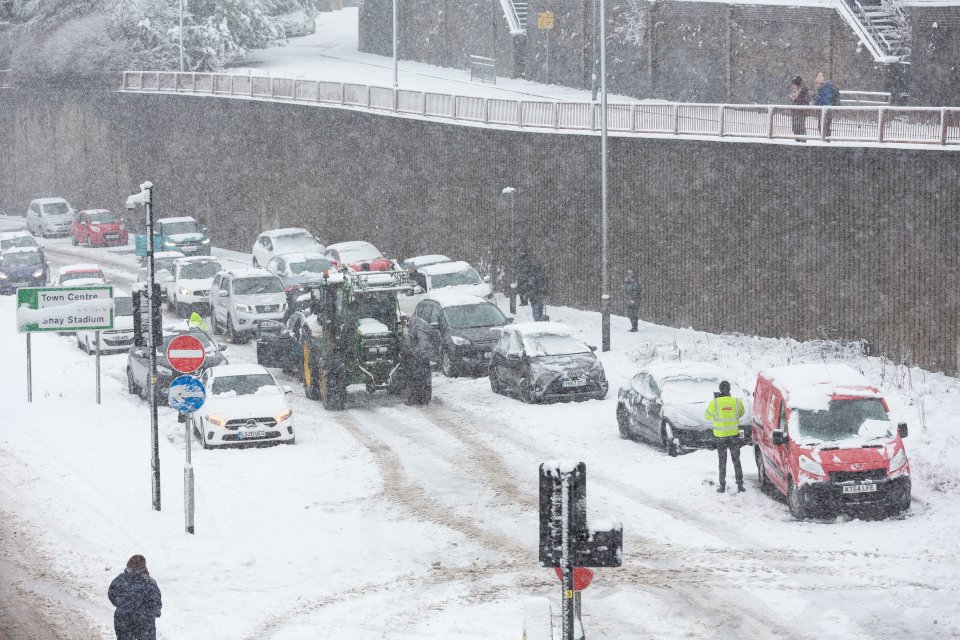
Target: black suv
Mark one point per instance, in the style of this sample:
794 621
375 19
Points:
457 330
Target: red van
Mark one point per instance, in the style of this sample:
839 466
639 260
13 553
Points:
823 438
98 228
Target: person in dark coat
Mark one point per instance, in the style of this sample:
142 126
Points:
539 290
631 291
524 276
137 599
826 96
799 96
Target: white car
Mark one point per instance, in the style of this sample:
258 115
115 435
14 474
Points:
298 23
453 277
281 241
417 262
50 217
79 275
116 340
244 404
189 284
240 299
18 239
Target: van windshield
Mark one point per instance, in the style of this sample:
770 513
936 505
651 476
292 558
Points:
841 420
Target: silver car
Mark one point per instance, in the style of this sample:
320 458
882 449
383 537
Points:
50 217
240 299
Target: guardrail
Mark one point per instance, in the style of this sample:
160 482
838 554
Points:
5 79
865 124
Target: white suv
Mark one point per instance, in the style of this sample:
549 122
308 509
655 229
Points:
240 299
189 286
50 217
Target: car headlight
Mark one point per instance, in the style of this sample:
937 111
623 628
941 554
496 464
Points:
3 276
37 273
169 243
205 241
811 466
217 420
460 342
283 306
95 229
243 308
897 462
283 415
183 291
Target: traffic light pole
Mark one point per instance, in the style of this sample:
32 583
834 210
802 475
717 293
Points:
153 309
566 559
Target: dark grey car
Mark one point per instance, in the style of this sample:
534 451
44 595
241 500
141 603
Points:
457 330
138 363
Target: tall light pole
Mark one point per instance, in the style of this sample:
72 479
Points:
395 43
181 36
145 197
605 268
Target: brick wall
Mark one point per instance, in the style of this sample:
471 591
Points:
935 56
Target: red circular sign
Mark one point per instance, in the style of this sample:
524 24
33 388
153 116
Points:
185 353
582 576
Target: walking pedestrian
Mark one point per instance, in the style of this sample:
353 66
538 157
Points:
539 290
524 275
631 291
137 599
799 96
827 96
725 413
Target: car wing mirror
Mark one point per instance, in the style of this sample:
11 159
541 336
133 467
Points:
593 347
435 325
221 346
902 429
486 279
287 388
779 437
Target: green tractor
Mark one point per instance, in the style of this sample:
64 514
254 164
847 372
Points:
352 333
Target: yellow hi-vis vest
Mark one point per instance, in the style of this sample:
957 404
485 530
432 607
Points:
725 413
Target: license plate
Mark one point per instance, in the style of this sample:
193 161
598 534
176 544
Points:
860 488
241 435
111 236
188 249
566 384
487 355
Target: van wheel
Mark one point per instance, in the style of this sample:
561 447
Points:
667 439
623 422
761 469
216 325
494 382
797 509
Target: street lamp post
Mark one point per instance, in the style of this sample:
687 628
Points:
145 198
604 225
395 43
181 36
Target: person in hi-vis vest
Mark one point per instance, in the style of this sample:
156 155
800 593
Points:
725 412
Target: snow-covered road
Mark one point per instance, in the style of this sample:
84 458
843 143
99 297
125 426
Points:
388 521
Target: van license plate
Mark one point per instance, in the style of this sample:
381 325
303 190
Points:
860 488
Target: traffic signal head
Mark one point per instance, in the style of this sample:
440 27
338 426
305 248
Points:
157 327
137 318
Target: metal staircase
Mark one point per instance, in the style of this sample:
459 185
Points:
515 12
884 28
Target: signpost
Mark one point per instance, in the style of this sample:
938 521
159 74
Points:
45 309
185 353
186 396
545 22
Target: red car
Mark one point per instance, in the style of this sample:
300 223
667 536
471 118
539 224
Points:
98 228
359 256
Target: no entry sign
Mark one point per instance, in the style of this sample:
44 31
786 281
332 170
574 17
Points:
185 353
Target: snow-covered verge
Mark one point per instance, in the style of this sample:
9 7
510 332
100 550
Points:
388 521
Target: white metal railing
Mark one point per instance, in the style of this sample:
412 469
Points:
861 123
4 78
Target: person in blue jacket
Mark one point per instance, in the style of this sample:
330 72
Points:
137 599
827 96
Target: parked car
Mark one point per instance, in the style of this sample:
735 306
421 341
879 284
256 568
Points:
458 277
188 286
298 23
22 267
79 275
457 330
544 361
245 405
359 256
664 404
297 269
98 228
115 340
181 234
824 440
138 362
281 241
49 217
162 271
242 298
18 239
414 263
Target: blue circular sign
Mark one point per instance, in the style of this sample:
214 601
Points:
187 394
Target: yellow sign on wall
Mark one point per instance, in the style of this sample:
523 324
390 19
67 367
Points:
545 20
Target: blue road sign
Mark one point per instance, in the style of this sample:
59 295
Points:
187 394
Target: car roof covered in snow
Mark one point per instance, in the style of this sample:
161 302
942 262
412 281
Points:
708 370
445 267
6 235
244 369
70 268
422 261
95 211
168 254
453 299
177 219
49 200
540 328
303 257
22 250
352 245
189 259
248 272
812 386
286 231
